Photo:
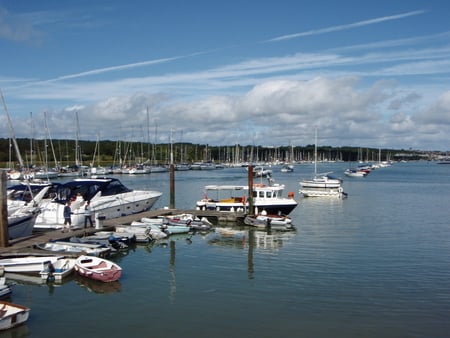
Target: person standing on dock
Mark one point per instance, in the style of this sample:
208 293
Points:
67 213
88 214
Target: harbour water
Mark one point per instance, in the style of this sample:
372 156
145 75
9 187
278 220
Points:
375 264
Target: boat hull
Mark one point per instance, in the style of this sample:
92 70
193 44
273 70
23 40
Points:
26 264
108 208
21 225
12 315
98 269
61 269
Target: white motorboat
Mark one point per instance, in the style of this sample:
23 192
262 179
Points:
28 264
287 168
235 198
12 315
353 172
108 197
58 270
76 248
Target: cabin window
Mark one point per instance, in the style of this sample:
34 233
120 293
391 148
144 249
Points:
261 194
269 194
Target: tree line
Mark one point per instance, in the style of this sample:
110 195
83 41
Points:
65 152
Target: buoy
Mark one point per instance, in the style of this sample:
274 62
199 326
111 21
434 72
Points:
291 194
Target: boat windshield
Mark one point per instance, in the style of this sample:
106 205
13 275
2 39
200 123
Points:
87 189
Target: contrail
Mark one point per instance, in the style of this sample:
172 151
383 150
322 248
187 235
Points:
348 26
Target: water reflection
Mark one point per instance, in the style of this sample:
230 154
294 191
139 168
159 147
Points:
97 286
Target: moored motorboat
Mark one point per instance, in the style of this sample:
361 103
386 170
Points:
268 220
76 248
28 264
98 268
235 198
355 172
58 270
12 315
108 197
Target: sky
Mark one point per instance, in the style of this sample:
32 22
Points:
263 73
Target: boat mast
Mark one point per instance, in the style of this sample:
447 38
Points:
11 129
315 154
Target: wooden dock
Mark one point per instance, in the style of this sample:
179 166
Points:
26 246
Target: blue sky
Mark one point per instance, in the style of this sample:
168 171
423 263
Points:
364 73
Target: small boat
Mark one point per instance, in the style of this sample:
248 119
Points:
275 222
172 229
355 172
58 270
5 289
98 268
76 248
12 315
188 220
29 264
142 231
287 168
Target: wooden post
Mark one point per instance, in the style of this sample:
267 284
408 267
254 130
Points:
251 209
3 212
172 186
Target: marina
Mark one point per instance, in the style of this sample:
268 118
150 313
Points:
372 264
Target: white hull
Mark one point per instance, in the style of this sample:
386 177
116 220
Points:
111 204
235 198
12 315
26 264
62 268
321 187
330 192
21 225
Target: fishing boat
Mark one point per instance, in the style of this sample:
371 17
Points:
58 270
235 198
98 268
28 264
108 197
12 315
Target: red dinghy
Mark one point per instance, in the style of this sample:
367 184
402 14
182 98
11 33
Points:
98 268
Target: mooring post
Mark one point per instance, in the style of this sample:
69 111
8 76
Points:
251 209
3 212
172 186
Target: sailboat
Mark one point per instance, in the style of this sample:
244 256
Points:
321 185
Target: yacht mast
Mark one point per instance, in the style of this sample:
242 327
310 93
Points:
11 129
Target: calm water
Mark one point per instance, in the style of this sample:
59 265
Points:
373 265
